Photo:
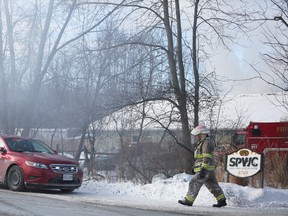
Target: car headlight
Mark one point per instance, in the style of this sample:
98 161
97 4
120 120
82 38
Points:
37 165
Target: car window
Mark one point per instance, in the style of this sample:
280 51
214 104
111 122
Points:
41 147
27 145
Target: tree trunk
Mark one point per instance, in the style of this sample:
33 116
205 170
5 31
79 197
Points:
82 140
39 74
11 83
195 66
3 84
179 84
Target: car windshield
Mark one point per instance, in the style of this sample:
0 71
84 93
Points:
27 145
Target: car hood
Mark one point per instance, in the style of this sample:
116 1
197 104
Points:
46 158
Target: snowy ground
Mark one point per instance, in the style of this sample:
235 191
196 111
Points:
166 192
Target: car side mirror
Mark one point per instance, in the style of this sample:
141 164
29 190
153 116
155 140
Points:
3 150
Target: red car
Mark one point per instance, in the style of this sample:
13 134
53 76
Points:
29 163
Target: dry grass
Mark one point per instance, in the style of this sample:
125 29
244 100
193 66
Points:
276 170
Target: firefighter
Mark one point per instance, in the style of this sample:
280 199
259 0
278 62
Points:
204 167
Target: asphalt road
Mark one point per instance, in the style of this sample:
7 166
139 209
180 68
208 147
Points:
43 204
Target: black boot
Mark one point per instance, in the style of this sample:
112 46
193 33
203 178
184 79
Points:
220 203
185 202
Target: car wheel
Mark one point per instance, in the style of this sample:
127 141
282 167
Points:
15 180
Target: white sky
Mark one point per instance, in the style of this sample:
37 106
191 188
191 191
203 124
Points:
234 66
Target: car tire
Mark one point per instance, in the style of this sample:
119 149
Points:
15 180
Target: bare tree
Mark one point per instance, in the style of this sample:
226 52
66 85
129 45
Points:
272 20
27 64
160 11
8 84
212 24
276 58
178 79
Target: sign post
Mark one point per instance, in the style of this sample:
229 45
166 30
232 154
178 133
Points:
244 163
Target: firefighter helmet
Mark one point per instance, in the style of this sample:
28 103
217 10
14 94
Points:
200 129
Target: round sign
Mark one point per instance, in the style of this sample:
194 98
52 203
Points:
243 163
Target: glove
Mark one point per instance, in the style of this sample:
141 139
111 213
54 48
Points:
202 173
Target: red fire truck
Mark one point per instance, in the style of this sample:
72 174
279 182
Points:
263 137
